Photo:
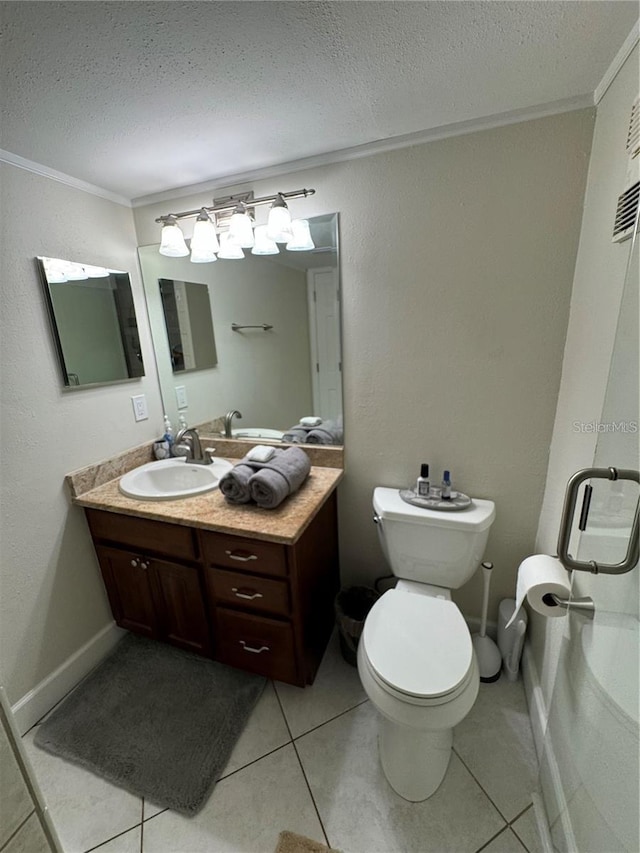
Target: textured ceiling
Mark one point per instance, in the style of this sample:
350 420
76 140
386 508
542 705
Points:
141 97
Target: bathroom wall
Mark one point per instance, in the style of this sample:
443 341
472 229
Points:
595 305
457 260
51 595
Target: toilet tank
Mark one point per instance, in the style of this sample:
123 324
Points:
430 546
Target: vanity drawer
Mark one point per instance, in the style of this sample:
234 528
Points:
251 555
251 592
255 643
142 534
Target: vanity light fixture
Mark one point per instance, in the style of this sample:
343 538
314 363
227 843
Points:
204 248
172 242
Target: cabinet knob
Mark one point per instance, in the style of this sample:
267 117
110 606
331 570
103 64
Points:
249 594
241 556
144 566
134 562
252 649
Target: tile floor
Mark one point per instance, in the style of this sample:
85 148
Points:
307 761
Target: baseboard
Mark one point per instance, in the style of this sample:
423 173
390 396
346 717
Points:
35 704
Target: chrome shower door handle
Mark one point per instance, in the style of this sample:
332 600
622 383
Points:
568 511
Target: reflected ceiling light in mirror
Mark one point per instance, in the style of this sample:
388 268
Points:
172 242
74 272
229 250
279 221
96 272
241 227
204 243
54 271
263 245
301 237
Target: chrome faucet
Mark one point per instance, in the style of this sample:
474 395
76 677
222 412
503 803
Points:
189 438
228 418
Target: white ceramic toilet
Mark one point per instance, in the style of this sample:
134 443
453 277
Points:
415 656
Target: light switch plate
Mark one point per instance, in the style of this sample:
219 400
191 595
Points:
181 397
140 407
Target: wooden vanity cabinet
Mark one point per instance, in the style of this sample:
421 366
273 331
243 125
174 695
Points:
151 595
272 604
258 605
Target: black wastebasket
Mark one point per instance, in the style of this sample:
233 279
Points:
351 608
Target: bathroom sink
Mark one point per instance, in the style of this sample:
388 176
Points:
170 479
258 432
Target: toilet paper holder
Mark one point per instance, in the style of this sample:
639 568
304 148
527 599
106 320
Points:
585 605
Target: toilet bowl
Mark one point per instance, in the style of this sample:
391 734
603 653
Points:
415 658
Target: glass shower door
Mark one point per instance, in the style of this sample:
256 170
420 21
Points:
589 772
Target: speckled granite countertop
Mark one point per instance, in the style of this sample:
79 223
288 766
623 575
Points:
211 511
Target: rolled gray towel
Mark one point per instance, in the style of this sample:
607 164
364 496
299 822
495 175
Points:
296 435
234 485
326 433
280 477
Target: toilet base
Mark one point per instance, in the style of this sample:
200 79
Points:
414 762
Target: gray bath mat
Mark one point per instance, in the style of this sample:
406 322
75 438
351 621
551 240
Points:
154 720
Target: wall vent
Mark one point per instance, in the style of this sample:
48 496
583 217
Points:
627 208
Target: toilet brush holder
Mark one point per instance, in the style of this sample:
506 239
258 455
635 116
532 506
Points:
487 653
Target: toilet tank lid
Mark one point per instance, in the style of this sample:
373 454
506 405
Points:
388 504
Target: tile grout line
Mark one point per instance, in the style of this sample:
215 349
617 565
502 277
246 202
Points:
453 749
113 837
18 828
330 720
304 775
493 838
142 826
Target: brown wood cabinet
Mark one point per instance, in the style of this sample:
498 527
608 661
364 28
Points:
259 605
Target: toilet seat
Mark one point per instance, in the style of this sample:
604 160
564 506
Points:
418 647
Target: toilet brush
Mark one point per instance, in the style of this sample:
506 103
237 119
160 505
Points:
487 653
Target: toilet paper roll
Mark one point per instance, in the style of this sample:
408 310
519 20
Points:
537 576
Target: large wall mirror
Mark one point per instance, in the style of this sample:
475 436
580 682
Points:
93 321
275 336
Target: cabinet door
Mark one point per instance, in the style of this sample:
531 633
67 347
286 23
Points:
181 610
128 583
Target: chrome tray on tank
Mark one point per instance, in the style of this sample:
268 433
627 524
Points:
458 500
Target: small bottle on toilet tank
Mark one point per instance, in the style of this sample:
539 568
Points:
423 486
445 492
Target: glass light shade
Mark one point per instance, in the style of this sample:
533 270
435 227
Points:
241 230
279 224
204 240
301 240
263 245
172 241
229 250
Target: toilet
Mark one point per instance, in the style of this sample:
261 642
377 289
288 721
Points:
415 655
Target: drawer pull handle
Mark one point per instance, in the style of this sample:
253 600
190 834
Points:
241 556
248 596
252 649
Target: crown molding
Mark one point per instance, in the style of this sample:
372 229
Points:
618 61
55 175
393 143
